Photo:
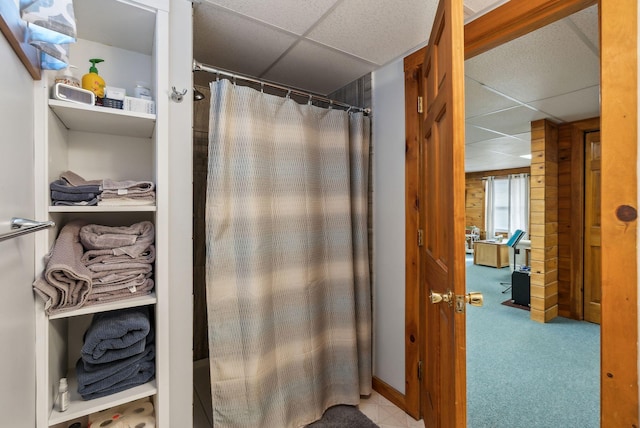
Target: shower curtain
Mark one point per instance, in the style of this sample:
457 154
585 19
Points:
288 289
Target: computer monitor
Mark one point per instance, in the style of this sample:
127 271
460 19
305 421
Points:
515 238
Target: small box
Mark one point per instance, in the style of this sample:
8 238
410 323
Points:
110 102
139 105
114 93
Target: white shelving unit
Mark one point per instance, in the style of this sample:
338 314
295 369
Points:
96 143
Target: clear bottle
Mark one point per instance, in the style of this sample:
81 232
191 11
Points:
63 395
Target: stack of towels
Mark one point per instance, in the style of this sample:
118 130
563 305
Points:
117 354
120 260
71 189
92 264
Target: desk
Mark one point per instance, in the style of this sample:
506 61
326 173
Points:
488 253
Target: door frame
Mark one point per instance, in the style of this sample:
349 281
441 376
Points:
619 93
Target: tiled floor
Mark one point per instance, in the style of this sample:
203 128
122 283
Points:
376 407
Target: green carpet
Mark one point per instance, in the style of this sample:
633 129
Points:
524 374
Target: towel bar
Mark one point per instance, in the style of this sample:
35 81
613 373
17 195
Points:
22 226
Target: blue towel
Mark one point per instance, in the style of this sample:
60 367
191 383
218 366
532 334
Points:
72 197
65 187
116 335
133 374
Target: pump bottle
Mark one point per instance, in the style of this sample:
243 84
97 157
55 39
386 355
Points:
93 82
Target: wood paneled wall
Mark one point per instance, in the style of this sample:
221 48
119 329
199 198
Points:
544 221
475 193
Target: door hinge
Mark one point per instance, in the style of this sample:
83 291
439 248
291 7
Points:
419 370
420 237
420 108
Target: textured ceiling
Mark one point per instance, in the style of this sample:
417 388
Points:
321 45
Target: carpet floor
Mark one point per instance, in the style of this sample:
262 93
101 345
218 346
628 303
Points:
343 416
525 374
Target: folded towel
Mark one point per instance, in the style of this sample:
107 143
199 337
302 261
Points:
149 201
91 257
92 202
75 180
63 186
65 281
116 335
88 373
118 377
111 292
131 240
72 197
127 187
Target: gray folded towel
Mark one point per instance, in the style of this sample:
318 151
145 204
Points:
75 180
91 257
131 240
72 197
110 293
91 203
63 186
99 380
115 335
65 281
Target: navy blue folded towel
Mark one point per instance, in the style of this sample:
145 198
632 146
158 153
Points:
116 335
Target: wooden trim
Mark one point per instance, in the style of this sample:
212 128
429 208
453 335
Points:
389 392
619 134
413 124
497 172
514 19
578 129
13 29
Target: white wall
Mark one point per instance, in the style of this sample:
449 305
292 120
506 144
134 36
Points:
388 224
17 260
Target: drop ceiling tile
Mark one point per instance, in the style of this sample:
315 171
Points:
290 15
473 134
478 100
504 145
539 65
512 121
587 21
577 105
226 40
317 69
376 30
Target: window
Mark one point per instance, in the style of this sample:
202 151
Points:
507 204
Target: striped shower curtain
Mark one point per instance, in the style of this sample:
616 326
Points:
288 289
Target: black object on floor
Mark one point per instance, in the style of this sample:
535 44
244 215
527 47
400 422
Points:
521 288
343 416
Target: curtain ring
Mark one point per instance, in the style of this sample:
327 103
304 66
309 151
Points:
262 87
234 80
288 93
217 77
310 100
330 104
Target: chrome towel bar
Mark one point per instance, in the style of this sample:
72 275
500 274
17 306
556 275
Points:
22 226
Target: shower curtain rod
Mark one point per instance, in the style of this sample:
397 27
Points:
198 66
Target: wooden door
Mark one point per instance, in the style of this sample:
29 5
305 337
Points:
444 383
592 282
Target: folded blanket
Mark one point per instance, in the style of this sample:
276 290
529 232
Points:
111 293
91 257
63 186
75 180
65 281
131 240
116 335
122 375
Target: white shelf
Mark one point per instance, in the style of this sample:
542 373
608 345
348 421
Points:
101 209
103 120
79 407
149 299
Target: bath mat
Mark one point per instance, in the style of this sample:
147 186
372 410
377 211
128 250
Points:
343 416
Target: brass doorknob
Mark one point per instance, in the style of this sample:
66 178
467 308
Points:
474 298
441 297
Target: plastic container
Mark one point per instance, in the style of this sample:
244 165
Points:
67 77
92 81
142 90
63 395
